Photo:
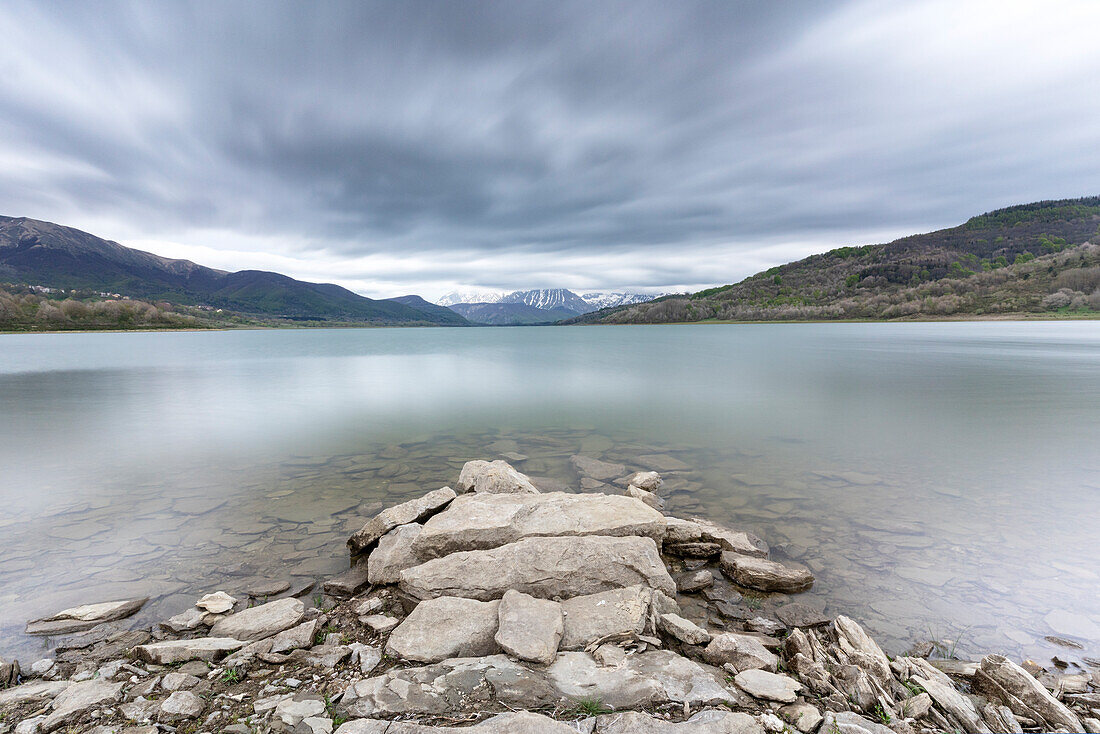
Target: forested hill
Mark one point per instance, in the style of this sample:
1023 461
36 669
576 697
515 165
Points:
1032 258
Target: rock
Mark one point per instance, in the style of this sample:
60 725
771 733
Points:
41 668
78 619
315 725
292 711
698 549
529 628
860 649
1000 719
846 722
650 481
217 603
140 709
260 621
481 521
35 691
692 582
768 686
956 705
743 652
596 469
957 668
592 617
412 511
325 656
683 630
380 623
764 575
704 722
30 726
797 614
180 651
446 627
916 706
350 582
609 655
1001 678
295 638
181 705
804 716
542 567
493 477
9 673
79 698
368 606
1072 624
698 530
184 621
366 657
394 554
522 722
178 682
267 587
647 497
645 679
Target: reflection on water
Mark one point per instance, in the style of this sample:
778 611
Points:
940 479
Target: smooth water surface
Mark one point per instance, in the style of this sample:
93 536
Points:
941 480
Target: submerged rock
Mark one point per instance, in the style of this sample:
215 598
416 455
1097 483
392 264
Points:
596 469
493 477
481 521
542 567
764 575
416 510
84 617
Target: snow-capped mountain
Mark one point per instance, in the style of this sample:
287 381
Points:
610 299
549 298
472 295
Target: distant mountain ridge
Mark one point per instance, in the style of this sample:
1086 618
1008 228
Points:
539 306
35 252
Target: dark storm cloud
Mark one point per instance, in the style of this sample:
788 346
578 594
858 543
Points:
605 144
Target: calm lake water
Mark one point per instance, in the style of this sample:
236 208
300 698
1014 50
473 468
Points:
940 479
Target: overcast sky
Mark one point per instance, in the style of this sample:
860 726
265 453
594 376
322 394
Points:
419 146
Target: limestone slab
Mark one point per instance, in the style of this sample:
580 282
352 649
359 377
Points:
446 627
180 651
260 621
415 510
84 617
609 613
764 575
529 628
493 477
394 554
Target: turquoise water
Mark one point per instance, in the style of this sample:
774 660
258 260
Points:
940 479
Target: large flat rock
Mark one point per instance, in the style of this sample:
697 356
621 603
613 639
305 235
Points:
542 567
480 521
596 616
33 691
446 627
393 555
470 684
415 510
698 532
493 477
260 621
765 575
79 698
180 651
521 722
529 628
84 617
712 721
1016 688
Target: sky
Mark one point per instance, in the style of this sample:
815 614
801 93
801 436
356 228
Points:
419 146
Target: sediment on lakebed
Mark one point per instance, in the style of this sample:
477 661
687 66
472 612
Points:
496 607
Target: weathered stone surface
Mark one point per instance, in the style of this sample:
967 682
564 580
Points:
291 711
698 549
743 652
260 621
178 682
140 709
804 716
180 651
9 673
768 686
350 582
79 698
764 575
542 567
1072 624
34 691
847 722
649 498
84 617
705 722
380 623
412 511
797 614
596 469
493 477
650 481
916 706
217 603
692 582
698 530
957 706
1017 689
650 678
181 705
446 627
480 521
596 616
860 649
295 638
184 621
529 628
683 630
394 554
366 657
523 722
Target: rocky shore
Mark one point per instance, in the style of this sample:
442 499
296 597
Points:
496 607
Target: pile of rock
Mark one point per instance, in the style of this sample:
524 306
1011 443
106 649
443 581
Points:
480 606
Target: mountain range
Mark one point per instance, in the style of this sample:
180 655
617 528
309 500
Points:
41 253
541 306
1041 258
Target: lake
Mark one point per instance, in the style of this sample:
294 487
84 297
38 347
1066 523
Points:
941 480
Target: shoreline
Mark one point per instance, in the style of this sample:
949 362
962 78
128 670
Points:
450 595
